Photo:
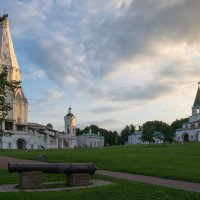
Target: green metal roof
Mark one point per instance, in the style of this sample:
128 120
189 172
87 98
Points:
89 134
197 98
137 133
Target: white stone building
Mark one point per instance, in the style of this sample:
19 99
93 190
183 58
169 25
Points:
90 140
135 138
190 131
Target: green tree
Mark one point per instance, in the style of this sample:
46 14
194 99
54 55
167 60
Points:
78 131
110 137
166 130
126 131
178 123
5 87
148 132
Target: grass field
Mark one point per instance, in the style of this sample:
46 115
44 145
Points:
171 161
119 190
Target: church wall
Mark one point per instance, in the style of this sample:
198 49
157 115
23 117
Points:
90 141
192 133
32 141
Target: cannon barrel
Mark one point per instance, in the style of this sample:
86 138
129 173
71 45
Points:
59 168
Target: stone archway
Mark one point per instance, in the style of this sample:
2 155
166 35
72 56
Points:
186 137
21 144
65 144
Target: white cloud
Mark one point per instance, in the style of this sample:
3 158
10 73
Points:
34 74
53 95
110 51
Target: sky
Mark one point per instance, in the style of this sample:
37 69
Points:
115 62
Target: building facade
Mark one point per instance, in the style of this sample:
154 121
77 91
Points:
135 138
90 140
190 131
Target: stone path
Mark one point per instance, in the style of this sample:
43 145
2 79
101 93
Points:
184 185
5 160
13 188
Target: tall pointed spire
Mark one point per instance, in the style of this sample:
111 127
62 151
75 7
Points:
19 112
7 54
197 98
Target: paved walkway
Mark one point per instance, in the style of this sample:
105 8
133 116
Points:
184 185
5 160
94 183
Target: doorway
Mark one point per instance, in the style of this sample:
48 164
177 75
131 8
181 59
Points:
186 137
21 144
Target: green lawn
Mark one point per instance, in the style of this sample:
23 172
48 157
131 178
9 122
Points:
119 190
171 161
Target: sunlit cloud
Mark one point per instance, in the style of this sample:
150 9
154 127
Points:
109 56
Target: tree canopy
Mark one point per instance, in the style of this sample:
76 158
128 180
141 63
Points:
150 128
178 123
148 132
166 130
5 87
126 131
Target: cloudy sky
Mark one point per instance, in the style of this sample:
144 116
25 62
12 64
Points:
116 62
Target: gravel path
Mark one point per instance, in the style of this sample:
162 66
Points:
184 185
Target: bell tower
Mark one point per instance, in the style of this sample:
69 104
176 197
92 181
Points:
70 123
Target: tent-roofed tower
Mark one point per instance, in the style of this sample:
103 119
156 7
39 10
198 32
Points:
18 116
196 105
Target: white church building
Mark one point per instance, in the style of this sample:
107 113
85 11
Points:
135 138
90 140
190 131
20 133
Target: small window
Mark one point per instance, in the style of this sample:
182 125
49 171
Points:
21 128
192 125
9 126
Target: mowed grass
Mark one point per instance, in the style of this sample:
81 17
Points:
171 161
119 190
174 161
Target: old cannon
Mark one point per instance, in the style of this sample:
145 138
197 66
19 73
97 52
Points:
30 174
